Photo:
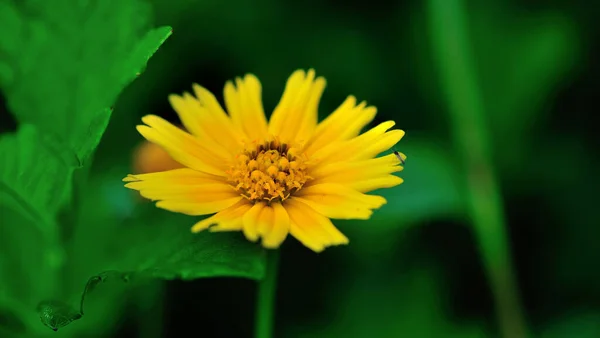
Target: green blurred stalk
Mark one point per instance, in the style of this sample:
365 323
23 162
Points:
447 23
150 301
265 305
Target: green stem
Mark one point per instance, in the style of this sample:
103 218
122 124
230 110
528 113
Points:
149 299
448 30
265 305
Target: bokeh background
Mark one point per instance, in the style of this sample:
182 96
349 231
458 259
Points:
414 269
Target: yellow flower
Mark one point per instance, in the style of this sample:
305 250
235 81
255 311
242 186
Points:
290 174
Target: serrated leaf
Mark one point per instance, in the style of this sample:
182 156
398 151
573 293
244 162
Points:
56 314
33 175
26 271
34 180
120 231
63 63
123 239
167 251
159 244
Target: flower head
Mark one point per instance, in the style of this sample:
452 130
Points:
288 175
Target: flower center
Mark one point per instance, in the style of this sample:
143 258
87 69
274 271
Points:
268 171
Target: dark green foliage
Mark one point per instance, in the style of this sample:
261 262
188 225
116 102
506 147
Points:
431 185
521 58
74 243
33 179
63 65
56 314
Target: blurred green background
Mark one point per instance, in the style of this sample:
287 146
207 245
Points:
414 269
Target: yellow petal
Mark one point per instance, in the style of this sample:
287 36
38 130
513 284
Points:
185 191
295 117
191 115
183 147
235 220
244 104
198 208
280 228
365 168
362 147
231 137
209 126
162 192
181 175
310 242
251 221
159 186
338 201
313 229
376 145
344 123
387 181
265 221
363 176
229 219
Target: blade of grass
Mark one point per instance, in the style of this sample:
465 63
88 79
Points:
447 23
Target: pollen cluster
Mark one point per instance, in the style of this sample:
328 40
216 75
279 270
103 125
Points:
268 171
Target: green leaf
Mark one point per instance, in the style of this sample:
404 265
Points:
63 63
520 68
578 323
149 306
121 231
56 314
410 304
431 185
431 190
34 176
33 181
10 323
521 59
572 205
165 248
122 238
159 244
28 267
525 62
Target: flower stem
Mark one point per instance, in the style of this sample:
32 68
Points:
448 31
265 305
